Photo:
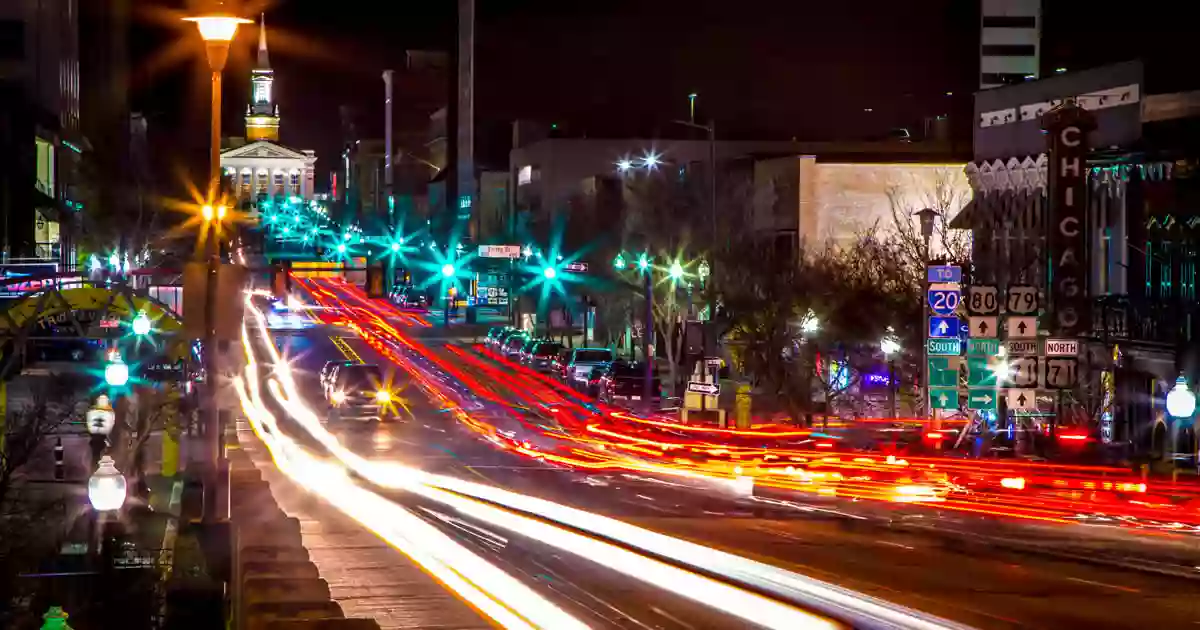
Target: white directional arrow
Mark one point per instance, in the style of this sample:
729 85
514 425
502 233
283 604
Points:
943 399
943 328
985 399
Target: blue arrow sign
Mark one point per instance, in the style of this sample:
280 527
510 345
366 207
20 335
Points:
945 273
943 327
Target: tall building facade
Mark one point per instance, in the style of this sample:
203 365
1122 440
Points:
1009 42
39 123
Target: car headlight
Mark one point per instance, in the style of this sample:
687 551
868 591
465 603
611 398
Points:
382 396
338 397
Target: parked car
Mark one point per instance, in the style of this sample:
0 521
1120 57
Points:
541 355
624 384
582 362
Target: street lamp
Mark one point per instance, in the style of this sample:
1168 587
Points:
890 346
1181 402
676 271
107 487
549 273
116 373
141 324
448 270
619 262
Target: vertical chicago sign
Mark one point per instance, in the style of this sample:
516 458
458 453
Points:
1066 128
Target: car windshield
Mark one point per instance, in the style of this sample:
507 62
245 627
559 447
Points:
592 356
358 377
547 349
518 341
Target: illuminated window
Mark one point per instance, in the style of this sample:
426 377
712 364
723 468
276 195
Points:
295 181
261 184
525 175
262 91
246 183
278 183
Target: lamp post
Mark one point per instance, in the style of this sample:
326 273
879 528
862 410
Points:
107 487
711 129
890 347
217 28
1181 402
648 370
927 215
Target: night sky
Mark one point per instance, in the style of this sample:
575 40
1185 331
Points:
763 69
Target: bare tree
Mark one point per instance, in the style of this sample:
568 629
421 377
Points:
945 194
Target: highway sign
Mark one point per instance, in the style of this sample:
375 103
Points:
945 273
943 327
1023 371
577 267
983 347
700 387
1022 300
943 299
1062 347
1061 372
499 251
1021 347
982 400
980 372
943 347
981 300
943 372
1021 399
1022 327
943 398
988 326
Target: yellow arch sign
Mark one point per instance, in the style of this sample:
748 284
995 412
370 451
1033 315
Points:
89 298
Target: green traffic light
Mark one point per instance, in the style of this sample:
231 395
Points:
643 262
676 270
549 273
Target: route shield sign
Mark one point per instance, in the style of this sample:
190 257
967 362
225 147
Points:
943 327
982 400
943 397
982 300
943 298
943 347
1022 300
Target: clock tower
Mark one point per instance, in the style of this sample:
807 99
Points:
262 114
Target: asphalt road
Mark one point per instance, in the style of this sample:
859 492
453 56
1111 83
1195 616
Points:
971 584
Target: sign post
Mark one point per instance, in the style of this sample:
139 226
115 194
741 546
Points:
942 341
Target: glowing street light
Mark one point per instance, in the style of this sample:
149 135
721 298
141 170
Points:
643 262
1181 402
116 373
107 487
889 344
810 324
341 248
217 27
651 160
141 324
676 270
448 270
703 270
624 165
619 262
549 273
395 247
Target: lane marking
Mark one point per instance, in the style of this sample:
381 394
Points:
896 544
1103 585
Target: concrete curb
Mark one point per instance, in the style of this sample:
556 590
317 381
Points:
275 585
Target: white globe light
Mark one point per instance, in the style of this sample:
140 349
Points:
107 487
447 270
116 374
141 324
1181 402
549 272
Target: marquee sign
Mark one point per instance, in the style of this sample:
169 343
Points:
1066 129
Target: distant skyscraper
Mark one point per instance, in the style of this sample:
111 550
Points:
1009 41
464 117
262 114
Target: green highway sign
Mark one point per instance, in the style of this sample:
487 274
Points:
979 374
982 400
943 398
944 347
983 347
942 373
